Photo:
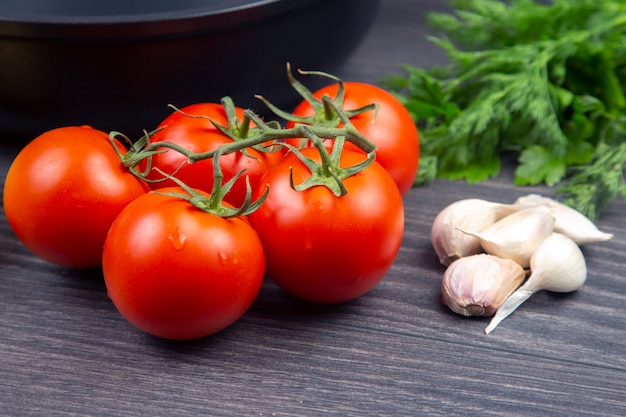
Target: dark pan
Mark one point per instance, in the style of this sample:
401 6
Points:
115 65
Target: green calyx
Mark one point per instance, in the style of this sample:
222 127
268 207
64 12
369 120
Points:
325 109
135 152
214 203
238 130
328 173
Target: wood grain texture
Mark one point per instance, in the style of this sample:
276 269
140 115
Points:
65 351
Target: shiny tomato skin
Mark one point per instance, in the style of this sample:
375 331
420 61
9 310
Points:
327 249
200 135
393 129
63 191
177 272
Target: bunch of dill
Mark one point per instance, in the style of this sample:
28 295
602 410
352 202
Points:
544 80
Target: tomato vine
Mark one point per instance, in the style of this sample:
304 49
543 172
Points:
244 136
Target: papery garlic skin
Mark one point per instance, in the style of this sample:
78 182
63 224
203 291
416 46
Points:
517 235
474 214
558 265
477 285
567 220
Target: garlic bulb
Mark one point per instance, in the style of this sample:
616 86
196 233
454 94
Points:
471 214
567 221
477 285
517 235
558 265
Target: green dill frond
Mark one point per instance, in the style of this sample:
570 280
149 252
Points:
594 186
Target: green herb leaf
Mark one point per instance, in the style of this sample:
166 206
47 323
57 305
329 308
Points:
555 96
538 165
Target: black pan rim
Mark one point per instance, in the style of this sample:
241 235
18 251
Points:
132 27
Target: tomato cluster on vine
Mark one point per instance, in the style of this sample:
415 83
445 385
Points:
187 221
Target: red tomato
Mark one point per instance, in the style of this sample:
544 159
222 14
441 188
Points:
178 272
63 191
200 135
392 130
323 248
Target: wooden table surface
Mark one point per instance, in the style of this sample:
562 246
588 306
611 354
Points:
65 351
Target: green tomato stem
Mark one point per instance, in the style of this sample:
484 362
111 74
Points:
267 134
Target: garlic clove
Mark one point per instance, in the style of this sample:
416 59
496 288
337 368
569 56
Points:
477 285
472 214
568 221
517 235
558 265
